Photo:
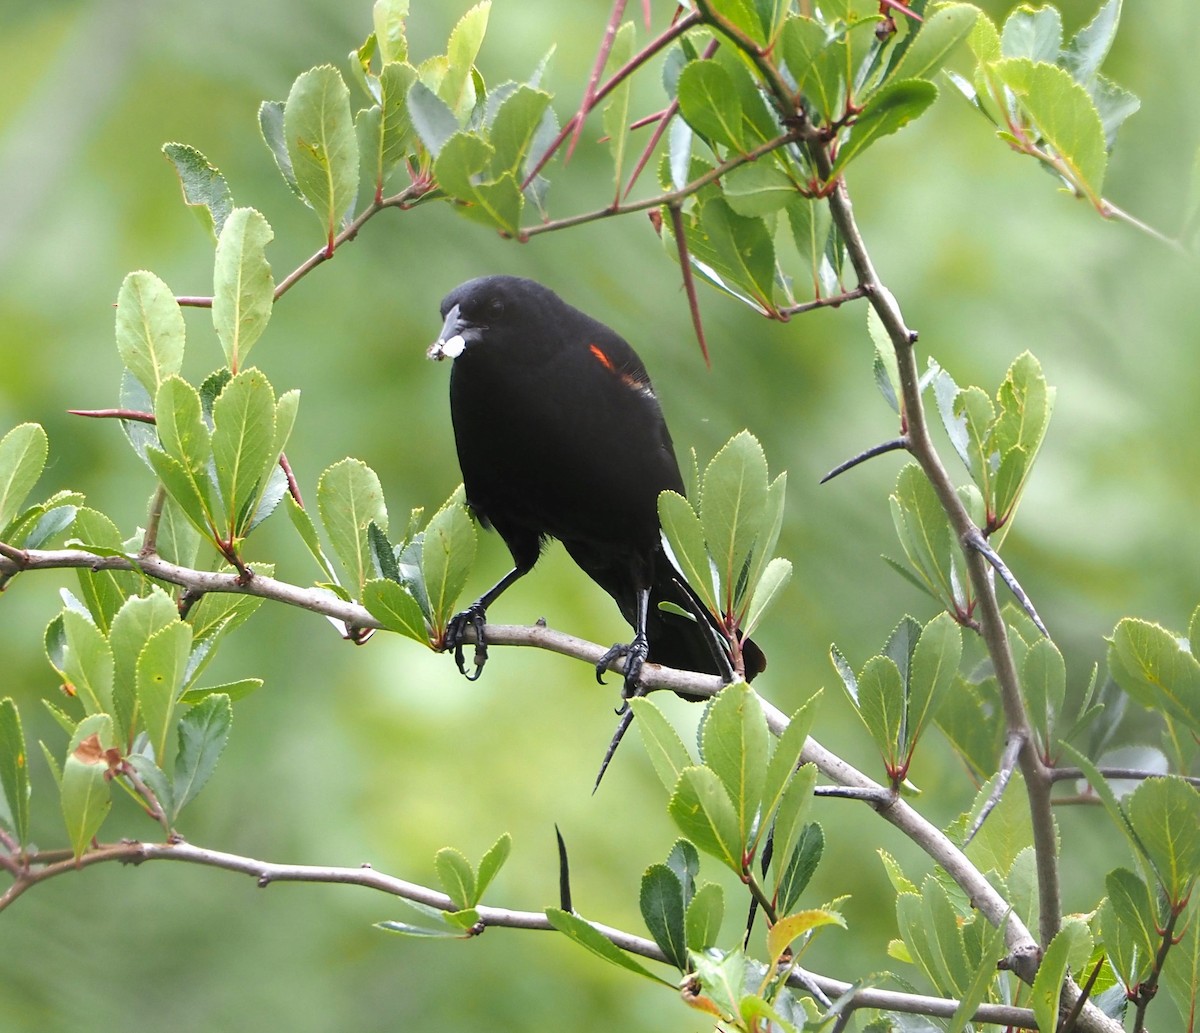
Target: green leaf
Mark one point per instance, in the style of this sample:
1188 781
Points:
1008 829
1148 662
934 667
704 812
431 117
662 906
303 523
160 667
235 690
991 950
447 554
1063 115
785 760
772 524
724 980
271 125
321 145
243 288
791 927
460 161
1084 55
685 536
616 109
743 248
457 87
23 453
881 708
243 441
817 64
394 608
887 111
440 924
1034 33
759 188
184 489
178 541
732 503
515 127
388 18
667 753
586 935
925 533
710 104
349 498
457 878
790 831
104 591
1132 908
204 188
84 793
491 863
1165 815
88 663
1181 975
14 769
767 589
395 123
794 875
150 330
1044 680
705 912
182 431
155 780
1073 938
810 224
1026 403
734 741
203 733
941 32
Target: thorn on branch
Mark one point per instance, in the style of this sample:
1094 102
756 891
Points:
564 872
689 282
114 414
1008 763
895 445
976 541
623 724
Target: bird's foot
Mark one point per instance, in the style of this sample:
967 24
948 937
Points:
474 616
635 654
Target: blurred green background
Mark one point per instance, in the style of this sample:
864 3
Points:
383 754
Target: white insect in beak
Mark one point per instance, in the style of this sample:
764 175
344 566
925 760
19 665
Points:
450 342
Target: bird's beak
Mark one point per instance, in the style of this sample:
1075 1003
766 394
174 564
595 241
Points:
451 341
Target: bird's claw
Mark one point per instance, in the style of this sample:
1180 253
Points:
474 616
635 654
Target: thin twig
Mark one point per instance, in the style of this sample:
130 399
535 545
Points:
666 199
265 873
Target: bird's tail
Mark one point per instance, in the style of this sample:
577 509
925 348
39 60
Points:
682 641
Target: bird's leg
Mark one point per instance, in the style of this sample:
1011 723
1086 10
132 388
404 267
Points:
475 617
635 652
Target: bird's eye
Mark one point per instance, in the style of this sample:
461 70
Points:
495 308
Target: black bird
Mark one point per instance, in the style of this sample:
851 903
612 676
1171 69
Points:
560 435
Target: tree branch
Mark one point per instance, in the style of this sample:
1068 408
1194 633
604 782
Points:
267 872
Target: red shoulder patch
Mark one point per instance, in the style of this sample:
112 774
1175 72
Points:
603 359
631 380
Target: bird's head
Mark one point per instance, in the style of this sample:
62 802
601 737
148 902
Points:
492 309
